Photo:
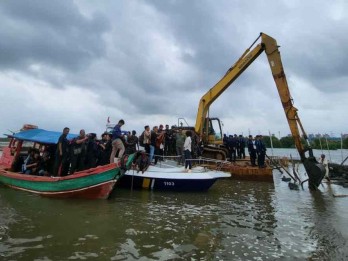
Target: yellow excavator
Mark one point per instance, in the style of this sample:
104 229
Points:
212 141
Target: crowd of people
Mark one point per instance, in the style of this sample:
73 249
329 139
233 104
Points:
86 151
236 148
81 153
35 164
167 142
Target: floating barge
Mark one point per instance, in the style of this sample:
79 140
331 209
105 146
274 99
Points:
250 173
241 169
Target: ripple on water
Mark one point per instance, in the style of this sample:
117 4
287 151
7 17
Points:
82 255
15 246
232 221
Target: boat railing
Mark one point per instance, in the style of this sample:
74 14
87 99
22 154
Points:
163 161
211 163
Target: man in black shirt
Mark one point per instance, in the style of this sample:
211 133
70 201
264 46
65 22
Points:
78 153
62 152
261 151
252 150
232 146
241 143
132 143
168 141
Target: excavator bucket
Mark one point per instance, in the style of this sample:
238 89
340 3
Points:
315 172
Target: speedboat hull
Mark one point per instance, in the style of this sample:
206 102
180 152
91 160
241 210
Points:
171 179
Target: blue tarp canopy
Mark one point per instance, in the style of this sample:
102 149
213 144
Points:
41 136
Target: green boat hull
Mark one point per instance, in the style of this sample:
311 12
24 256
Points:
92 183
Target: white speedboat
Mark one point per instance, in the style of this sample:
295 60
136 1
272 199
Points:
167 175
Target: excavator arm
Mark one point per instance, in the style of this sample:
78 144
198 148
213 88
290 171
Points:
273 55
315 170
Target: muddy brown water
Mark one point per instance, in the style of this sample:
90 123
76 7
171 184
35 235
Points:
234 220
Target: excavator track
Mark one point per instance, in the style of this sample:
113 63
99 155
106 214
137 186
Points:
214 153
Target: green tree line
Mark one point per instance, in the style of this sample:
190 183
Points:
288 142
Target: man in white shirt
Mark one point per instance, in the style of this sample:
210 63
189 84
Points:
187 151
325 162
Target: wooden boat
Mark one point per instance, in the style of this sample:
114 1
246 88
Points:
167 176
91 183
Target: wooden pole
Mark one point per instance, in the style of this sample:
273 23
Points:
342 146
270 136
321 147
328 150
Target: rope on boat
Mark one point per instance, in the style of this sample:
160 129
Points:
339 196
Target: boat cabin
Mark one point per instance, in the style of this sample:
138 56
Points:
30 142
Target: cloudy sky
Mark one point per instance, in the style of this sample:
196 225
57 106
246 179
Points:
74 63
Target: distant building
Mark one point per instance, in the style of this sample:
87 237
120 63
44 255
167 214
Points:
318 135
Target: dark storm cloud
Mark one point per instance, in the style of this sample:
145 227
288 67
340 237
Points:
49 33
138 72
314 47
217 44
150 59
196 26
323 59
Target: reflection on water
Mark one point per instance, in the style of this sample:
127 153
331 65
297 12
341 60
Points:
233 221
334 156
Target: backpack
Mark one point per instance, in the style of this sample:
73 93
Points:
141 139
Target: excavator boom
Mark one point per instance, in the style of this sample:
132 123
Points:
231 75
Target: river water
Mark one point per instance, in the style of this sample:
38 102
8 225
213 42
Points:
234 220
